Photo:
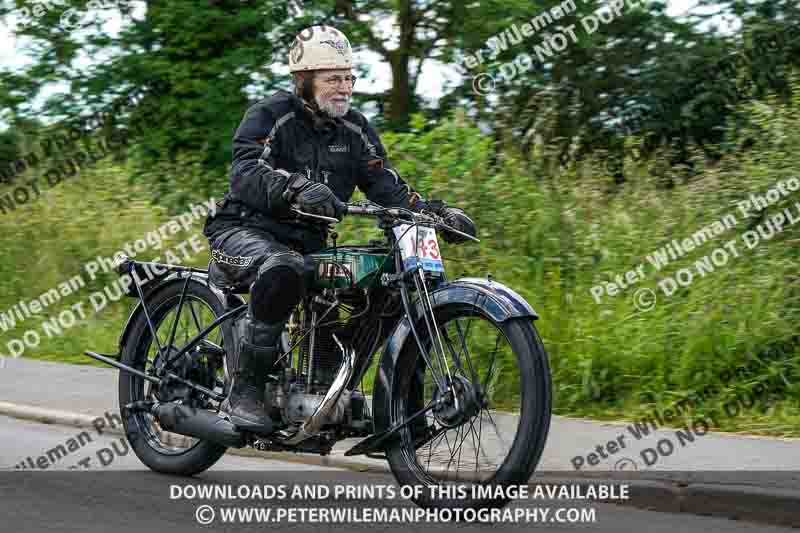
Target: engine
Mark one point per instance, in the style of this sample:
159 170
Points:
303 380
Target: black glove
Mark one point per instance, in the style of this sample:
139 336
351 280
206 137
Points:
455 218
313 198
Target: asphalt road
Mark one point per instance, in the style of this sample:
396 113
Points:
93 390
124 497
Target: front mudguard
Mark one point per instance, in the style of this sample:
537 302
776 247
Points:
498 300
155 285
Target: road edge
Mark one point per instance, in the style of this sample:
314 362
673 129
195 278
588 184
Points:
739 502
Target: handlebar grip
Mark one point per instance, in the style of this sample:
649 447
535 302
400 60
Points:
357 210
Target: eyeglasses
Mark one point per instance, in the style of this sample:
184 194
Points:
335 81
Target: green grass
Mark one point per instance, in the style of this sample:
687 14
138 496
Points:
47 242
551 236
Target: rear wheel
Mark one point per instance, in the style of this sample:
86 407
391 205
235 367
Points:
160 450
492 431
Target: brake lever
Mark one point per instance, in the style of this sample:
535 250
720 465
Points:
453 230
318 217
439 223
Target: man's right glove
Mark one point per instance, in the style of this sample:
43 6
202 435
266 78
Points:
455 218
313 198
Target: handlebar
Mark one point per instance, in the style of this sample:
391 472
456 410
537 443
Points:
397 213
372 211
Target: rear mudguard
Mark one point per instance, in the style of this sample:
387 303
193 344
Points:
499 301
155 285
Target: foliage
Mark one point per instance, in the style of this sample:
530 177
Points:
575 172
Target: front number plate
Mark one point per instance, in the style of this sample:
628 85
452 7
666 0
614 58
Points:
419 245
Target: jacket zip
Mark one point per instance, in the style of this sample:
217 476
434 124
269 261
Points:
316 162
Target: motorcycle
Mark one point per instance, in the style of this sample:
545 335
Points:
458 362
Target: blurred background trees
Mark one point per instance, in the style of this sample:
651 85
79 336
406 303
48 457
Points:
201 63
577 168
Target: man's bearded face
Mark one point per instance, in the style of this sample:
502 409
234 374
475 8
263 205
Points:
332 93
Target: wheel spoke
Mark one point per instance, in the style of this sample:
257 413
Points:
474 446
453 454
480 428
497 431
478 446
431 447
464 338
485 386
186 329
194 316
159 333
457 359
461 444
450 448
480 424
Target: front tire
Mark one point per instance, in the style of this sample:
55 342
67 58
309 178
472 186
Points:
160 450
518 401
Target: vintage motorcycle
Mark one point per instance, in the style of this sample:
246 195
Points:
461 391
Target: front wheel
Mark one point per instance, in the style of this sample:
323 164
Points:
488 427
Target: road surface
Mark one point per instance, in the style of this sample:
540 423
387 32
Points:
123 496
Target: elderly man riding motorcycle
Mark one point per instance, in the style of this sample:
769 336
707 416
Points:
307 149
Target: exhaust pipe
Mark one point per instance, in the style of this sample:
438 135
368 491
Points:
198 423
312 426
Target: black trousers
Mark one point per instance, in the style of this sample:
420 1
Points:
274 273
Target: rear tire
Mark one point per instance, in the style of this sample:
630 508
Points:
152 445
529 384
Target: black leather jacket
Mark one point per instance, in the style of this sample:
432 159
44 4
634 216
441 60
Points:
281 135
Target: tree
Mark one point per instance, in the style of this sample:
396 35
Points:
196 66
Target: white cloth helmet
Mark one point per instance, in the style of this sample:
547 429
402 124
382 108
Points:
320 48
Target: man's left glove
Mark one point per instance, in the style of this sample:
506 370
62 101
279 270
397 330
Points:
455 218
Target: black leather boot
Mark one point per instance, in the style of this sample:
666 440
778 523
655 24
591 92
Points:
256 354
